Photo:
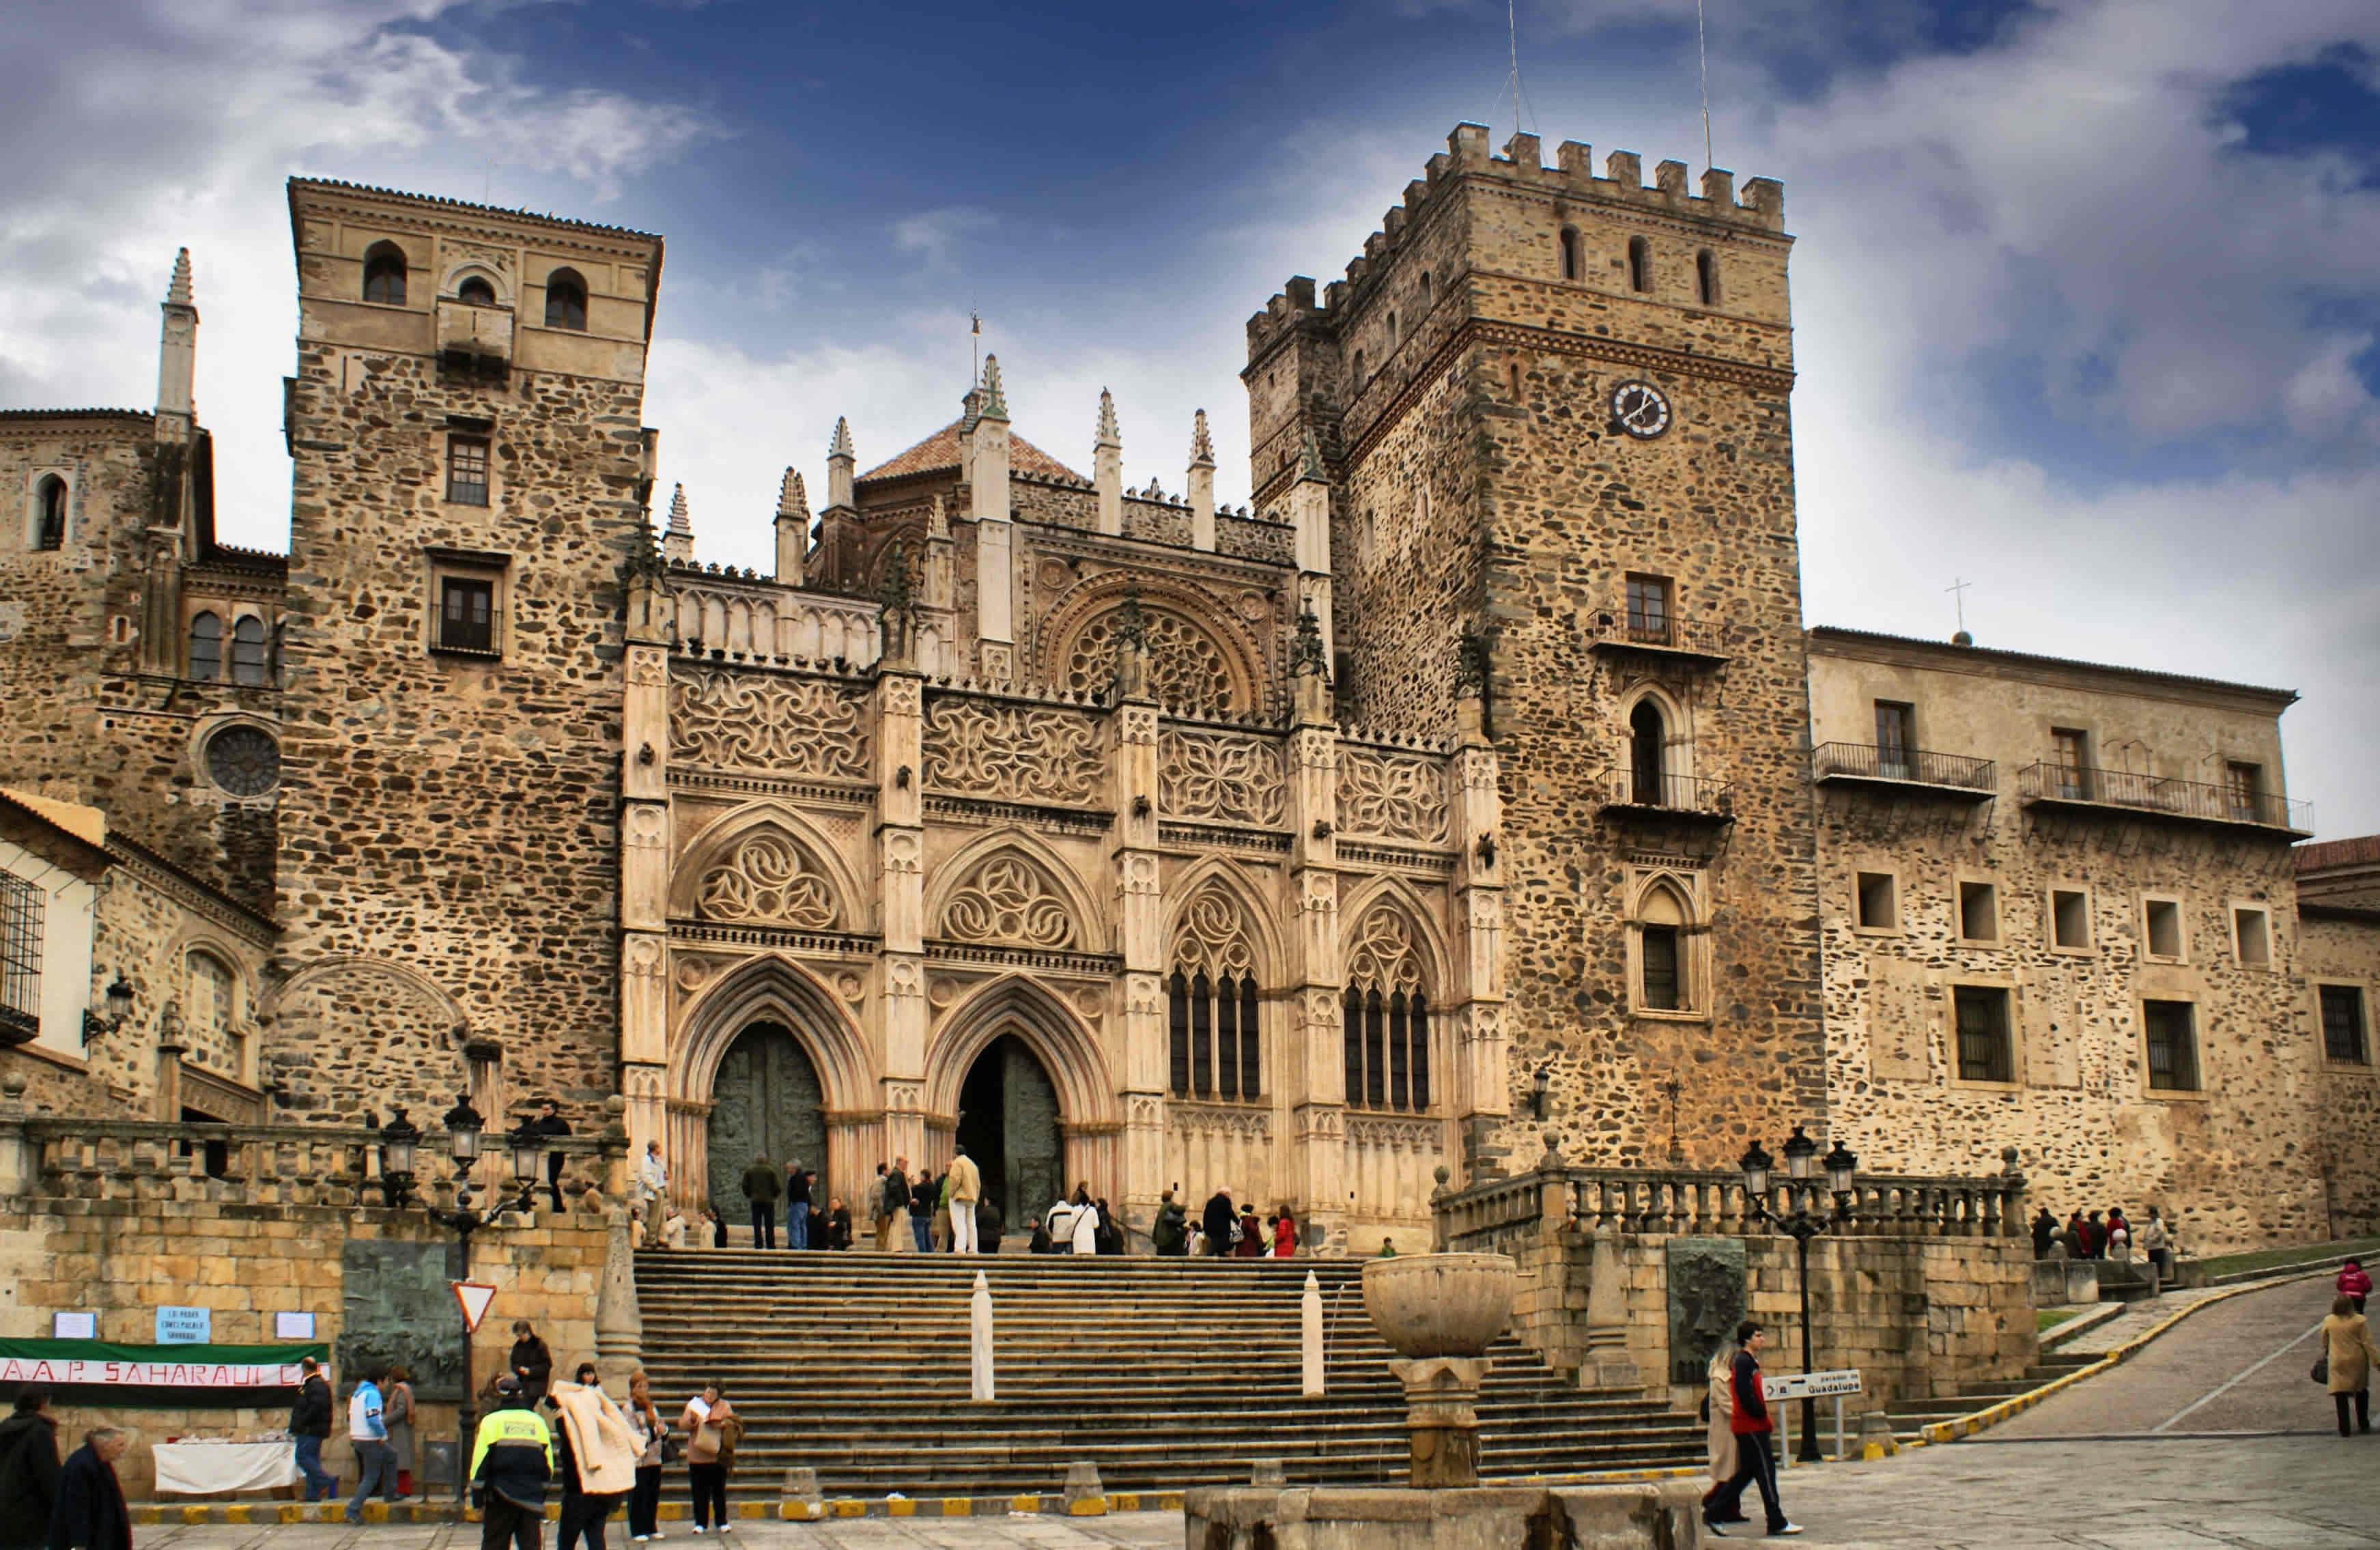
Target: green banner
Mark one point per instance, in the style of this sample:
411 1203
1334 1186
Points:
212 1368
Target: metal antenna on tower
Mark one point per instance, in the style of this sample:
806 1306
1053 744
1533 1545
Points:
1513 35
1701 55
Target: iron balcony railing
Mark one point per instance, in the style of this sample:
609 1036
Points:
1676 793
2164 794
1867 762
1655 632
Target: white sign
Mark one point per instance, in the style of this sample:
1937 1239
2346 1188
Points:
74 1326
184 1327
293 1326
1809 1385
474 1298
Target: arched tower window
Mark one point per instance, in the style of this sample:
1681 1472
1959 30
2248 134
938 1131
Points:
1640 265
1359 367
1425 288
475 292
1572 261
566 300
1664 964
206 648
1213 1044
50 513
1386 1013
1392 330
248 651
1647 736
1707 278
210 1012
384 274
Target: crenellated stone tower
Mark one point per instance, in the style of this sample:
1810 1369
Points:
1551 411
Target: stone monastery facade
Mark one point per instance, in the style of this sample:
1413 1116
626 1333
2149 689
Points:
1481 775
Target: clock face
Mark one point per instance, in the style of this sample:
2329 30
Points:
1639 408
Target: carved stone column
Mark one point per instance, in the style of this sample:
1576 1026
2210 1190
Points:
1481 1093
1313 1072
1140 936
901 912
644 859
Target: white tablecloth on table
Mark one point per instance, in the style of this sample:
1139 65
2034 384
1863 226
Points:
210 1469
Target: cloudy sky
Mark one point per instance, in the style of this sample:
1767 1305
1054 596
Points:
2088 294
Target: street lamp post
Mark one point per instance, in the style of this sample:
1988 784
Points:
1802 1224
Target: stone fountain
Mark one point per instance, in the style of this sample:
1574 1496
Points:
1439 1313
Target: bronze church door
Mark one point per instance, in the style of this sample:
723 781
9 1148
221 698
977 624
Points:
1008 1121
764 1103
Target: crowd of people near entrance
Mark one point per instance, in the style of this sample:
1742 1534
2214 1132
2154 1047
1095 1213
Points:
2108 1235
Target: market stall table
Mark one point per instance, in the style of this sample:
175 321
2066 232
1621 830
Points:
212 1469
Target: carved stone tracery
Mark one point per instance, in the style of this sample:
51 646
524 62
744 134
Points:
1007 901
1221 775
1396 796
777 726
1188 669
1212 938
1381 954
771 880
1034 753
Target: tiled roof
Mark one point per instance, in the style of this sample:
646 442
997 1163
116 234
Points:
2146 675
941 450
509 214
2362 850
77 414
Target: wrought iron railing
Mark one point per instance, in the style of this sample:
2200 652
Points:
1868 762
1661 632
1679 793
2165 793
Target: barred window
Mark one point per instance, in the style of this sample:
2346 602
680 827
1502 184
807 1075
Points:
20 960
1212 1026
1986 1051
2342 1024
2173 1045
466 615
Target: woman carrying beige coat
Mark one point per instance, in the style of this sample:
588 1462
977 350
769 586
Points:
2347 1345
1720 1375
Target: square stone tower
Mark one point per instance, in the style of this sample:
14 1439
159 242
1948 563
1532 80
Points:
1552 408
470 472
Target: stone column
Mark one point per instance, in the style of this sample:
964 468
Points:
1140 931
1309 514
1481 1094
793 529
995 569
645 860
1313 1071
901 910
1201 485
1442 1418
1107 468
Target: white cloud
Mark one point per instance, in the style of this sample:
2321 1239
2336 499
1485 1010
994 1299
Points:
935 235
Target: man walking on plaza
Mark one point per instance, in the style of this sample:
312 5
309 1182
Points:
90 1513
511 1460
893 1206
368 1435
309 1423
29 1471
966 1185
1754 1465
761 1189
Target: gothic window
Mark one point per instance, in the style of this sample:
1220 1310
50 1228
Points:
248 651
244 761
384 274
1571 266
1008 902
566 300
1187 669
50 513
475 292
1665 963
1386 1016
211 1012
769 880
1214 1045
206 647
1425 288
1640 265
1707 278
1648 734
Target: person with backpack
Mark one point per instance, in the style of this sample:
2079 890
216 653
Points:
650 1434
368 1435
1748 1421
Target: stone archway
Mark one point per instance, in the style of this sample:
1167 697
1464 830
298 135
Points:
765 1102
1009 1124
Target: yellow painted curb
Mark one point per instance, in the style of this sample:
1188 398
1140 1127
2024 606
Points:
902 1508
1168 1501
1088 1506
1024 1504
847 1507
751 1509
1126 1501
957 1506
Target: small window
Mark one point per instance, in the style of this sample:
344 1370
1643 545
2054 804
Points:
384 274
1359 368
466 470
50 513
2173 1045
2342 1025
1878 910
466 615
1425 288
475 292
206 648
20 959
1515 369
1660 950
2161 924
1392 331
1648 610
2071 759
248 651
1707 278
1647 739
1979 912
1572 266
1896 727
2252 935
2243 791
566 300
1986 1051
1640 265
2070 919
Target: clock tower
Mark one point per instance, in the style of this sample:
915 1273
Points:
1553 411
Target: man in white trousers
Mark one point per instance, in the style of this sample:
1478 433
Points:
967 1187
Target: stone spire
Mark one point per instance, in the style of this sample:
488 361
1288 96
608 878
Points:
1107 467
177 290
177 354
840 460
995 406
793 529
1202 484
1310 467
677 544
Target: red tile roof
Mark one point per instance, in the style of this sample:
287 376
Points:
941 450
2363 850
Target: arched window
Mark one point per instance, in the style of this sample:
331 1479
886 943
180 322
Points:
1359 367
1425 288
1707 278
1515 369
211 1014
248 651
384 274
206 648
1646 737
50 513
1386 1016
1662 961
1213 1047
475 292
1640 265
1392 331
566 300
1574 266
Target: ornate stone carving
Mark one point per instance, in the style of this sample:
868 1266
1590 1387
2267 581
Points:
1139 724
1008 902
781 726
644 956
902 696
1034 753
1380 953
646 666
1188 669
1397 796
1221 775
1212 937
768 879
1390 1130
647 826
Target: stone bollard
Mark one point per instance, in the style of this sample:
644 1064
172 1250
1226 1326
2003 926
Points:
800 1497
1877 1440
1269 1475
979 1340
1310 1319
1085 1496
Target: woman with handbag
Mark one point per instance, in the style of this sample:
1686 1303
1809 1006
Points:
1718 1414
712 1426
2345 1368
653 1450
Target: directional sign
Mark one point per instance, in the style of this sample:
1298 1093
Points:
474 1298
1809 1385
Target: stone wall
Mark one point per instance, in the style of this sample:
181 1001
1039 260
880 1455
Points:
2339 945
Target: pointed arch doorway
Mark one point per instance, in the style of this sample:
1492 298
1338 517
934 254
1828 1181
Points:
1008 1122
765 1102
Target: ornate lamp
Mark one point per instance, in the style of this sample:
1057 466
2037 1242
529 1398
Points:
1800 1152
463 1126
1841 1166
528 1146
399 1139
1755 1163
119 1009
1537 1092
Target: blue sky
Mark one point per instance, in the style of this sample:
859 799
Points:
2087 294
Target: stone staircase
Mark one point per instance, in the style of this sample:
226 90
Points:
1911 1416
1164 1372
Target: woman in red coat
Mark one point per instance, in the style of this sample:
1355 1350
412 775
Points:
2354 1284
1284 1235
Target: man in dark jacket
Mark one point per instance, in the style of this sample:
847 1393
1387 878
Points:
1754 1465
29 1471
1218 1221
837 1224
893 1206
90 1513
2045 1229
511 1460
798 1206
923 1192
309 1423
531 1363
760 1187
1171 1235
549 1122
